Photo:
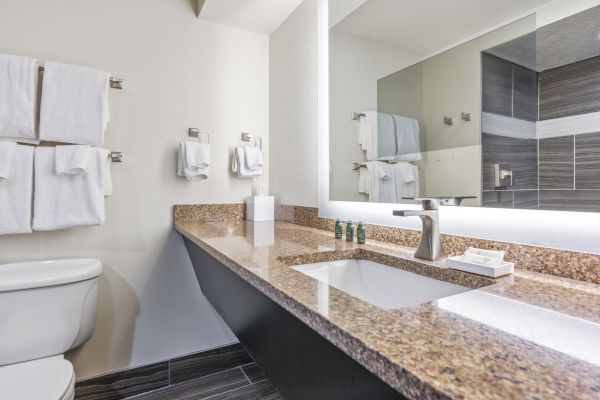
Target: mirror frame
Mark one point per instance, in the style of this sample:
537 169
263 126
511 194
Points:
578 231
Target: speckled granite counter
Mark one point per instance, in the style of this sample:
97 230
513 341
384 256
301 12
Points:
526 336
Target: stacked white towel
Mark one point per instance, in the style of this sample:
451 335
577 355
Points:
389 137
6 159
247 162
408 145
388 183
67 201
18 100
108 185
72 160
194 160
16 192
74 104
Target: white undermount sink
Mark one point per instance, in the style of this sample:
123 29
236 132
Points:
380 285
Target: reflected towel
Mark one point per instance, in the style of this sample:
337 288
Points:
18 98
74 106
407 139
379 135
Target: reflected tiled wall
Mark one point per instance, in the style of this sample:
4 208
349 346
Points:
561 172
509 90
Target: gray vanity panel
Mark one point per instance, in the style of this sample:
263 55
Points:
587 161
557 163
570 90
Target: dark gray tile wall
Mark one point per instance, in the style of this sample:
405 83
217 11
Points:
587 161
557 163
569 90
498 199
526 199
496 85
525 98
517 155
570 200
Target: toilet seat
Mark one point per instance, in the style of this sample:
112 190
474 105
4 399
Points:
44 379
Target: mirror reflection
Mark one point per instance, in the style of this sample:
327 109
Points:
509 118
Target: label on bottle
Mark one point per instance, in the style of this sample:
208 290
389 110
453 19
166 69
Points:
338 230
361 234
349 232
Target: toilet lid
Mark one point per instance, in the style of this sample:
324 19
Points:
45 379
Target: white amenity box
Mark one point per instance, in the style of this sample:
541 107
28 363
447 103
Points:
260 208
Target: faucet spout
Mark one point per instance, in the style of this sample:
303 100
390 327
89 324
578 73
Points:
430 247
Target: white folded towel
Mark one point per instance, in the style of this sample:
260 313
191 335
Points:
67 201
72 160
16 192
253 157
238 166
108 185
74 105
6 159
379 136
197 155
406 178
407 139
195 170
18 100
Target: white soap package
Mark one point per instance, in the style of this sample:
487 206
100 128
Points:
482 262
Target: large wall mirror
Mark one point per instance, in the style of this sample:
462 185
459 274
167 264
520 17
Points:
452 101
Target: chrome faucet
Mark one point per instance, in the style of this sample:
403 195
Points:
430 247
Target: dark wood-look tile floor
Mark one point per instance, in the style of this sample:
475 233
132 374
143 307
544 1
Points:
247 382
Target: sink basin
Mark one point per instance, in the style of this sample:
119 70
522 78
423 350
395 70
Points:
380 285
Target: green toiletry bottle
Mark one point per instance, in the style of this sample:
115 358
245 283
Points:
349 232
361 234
338 229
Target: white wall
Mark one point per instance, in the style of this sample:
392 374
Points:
293 108
355 64
179 72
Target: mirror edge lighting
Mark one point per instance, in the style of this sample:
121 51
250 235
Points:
577 231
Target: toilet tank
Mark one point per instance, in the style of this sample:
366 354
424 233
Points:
46 307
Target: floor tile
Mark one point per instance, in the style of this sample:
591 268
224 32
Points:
263 390
206 363
254 372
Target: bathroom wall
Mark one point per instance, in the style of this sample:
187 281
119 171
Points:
179 72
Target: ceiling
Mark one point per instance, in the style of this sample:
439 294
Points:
426 26
259 16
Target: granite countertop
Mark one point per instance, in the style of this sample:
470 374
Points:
523 336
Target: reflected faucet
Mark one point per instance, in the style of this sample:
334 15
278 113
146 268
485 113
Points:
430 247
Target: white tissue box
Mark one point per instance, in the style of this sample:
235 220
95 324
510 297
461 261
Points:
260 208
462 263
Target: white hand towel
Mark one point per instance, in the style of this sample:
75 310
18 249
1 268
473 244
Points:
406 179
382 186
380 137
18 100
16 192
68 201
253 157
197 155
108 185
184 170
72 160
407 138
238 165
6 158
74 104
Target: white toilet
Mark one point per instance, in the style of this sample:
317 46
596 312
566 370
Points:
46 308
